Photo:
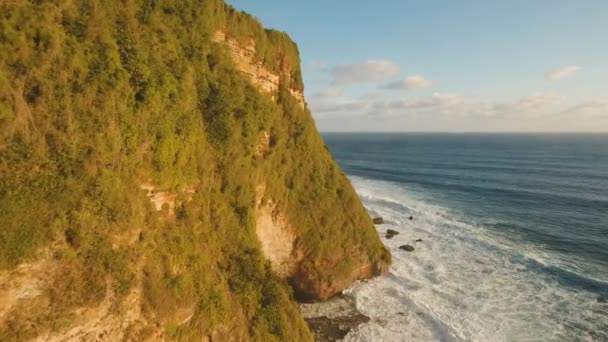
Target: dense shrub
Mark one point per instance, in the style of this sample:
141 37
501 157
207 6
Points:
97 98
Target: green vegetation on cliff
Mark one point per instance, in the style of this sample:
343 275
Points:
98 98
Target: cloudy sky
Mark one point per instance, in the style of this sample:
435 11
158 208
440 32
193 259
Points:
458 66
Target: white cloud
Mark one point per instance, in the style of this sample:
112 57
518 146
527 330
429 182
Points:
537 111
350 106
436 103
408 83
529 106
534 104
563 72
328 93
372 70
589 109
317 65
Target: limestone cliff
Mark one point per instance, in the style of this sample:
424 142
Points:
276 234
161 178
244 57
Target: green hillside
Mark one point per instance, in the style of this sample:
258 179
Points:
100 97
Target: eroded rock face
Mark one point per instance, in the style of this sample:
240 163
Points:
110 320
25 282
263 144
164 199
276 236
243 56
334 319
308 288
26 289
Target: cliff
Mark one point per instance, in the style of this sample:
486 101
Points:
162 179
244 57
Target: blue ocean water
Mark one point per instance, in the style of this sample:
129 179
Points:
514 230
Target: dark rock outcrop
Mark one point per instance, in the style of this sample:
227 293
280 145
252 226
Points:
332 320
378 220
308 287
407 248
390 233
334 329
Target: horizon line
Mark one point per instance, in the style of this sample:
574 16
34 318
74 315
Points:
466 132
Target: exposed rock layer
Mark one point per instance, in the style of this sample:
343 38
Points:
244 58
276 236
334 319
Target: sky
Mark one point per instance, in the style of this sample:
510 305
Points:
449 66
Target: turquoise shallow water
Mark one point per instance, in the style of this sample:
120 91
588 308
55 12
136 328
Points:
515 226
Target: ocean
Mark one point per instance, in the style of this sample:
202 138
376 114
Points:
514 231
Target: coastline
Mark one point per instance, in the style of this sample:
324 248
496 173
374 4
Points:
334 319
434 292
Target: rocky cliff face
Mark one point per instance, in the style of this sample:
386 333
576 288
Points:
276 235
274 231
244 57
162 179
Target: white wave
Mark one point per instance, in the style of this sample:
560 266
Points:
463 283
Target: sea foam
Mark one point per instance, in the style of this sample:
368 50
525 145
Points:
465 282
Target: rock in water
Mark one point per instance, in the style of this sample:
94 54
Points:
378 220
418 240
407 248
390 233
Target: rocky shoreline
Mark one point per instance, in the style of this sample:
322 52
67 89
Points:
332 320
